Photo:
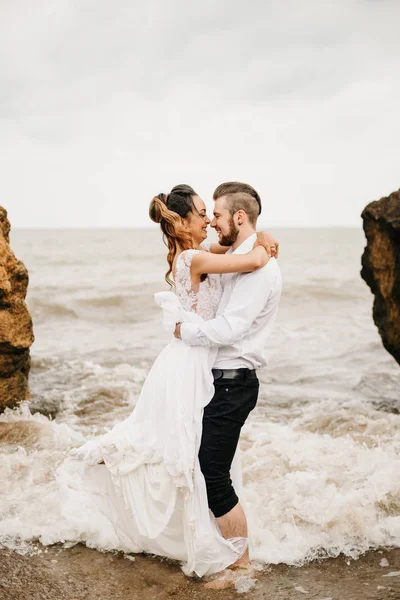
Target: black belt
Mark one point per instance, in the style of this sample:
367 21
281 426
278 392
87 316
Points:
234 373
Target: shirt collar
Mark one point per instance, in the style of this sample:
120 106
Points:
245 246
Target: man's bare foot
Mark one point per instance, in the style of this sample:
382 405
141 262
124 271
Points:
246 569
242 563
239 567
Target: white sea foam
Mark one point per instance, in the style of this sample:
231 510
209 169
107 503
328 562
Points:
307 494
311 494
30 498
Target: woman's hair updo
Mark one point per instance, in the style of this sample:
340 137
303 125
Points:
169 210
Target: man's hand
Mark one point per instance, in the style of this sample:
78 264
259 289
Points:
266 240
177 332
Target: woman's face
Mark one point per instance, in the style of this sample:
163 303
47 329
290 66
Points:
197 221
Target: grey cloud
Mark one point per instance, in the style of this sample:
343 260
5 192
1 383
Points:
98 46
174 85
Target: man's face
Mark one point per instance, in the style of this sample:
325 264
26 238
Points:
224 223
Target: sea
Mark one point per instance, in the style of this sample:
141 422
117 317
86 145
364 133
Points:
320 452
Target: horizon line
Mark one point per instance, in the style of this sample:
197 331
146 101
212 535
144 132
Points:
151 228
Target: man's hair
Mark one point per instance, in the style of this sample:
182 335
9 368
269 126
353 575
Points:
240 196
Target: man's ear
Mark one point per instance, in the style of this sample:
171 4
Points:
241 217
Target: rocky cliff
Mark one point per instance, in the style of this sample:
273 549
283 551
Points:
381 267
16 335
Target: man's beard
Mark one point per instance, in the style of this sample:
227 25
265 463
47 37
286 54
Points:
229 238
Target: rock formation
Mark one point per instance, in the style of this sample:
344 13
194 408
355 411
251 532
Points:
16 335
381 267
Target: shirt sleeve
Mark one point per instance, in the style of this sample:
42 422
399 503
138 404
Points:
248 298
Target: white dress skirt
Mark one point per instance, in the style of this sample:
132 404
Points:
150 487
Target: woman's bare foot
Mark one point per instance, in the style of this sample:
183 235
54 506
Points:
218 584
231 576
219 581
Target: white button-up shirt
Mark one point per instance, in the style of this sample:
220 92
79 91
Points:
245 316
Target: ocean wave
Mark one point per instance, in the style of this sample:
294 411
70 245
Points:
323 485
86 394
42 309
382 388
313 488
327 290
110 301
117 307
320 461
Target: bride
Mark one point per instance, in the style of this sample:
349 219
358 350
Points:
144 474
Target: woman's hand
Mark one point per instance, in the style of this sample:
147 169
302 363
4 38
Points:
268 242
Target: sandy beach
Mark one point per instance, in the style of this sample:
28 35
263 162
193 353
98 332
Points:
80 573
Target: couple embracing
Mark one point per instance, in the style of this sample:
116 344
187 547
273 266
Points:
168 477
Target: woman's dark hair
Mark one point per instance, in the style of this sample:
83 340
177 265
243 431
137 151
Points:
169 210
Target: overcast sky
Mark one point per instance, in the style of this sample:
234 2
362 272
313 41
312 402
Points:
107 103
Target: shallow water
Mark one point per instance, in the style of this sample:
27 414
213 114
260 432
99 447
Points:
320 453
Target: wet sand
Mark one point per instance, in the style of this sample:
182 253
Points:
79 573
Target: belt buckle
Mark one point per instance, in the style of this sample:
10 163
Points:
218 373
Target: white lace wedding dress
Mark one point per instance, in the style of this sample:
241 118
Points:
151 488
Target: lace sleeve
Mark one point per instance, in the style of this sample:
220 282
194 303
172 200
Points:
187 257
185 289
203 297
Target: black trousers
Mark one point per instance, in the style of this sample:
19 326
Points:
223 419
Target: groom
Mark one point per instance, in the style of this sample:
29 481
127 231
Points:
244 321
